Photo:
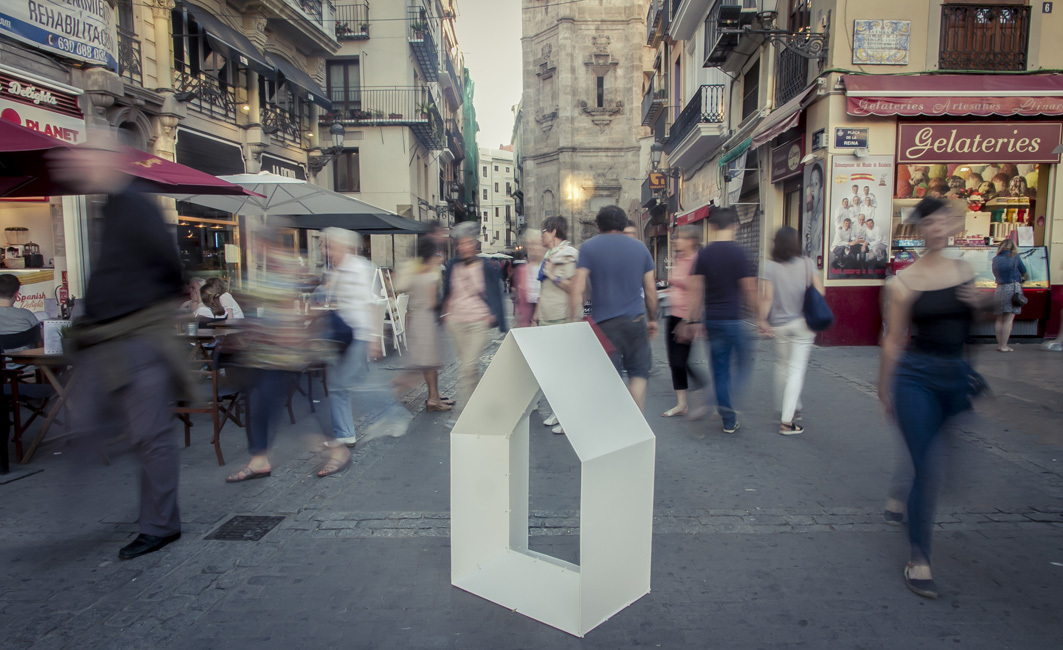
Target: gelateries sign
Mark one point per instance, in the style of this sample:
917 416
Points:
998 142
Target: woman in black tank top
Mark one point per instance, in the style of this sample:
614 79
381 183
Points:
925 383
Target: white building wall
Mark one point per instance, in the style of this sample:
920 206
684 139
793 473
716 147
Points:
498 165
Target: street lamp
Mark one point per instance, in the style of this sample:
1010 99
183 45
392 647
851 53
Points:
318 161
656 151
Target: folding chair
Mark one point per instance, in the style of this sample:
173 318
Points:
20 394
220 396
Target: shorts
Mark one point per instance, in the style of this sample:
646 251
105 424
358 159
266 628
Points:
632 342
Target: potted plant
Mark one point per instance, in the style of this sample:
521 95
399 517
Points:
359 114
365 28
378 115
394 116
424 108
342 29
419 28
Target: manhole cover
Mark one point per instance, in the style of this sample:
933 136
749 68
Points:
245 528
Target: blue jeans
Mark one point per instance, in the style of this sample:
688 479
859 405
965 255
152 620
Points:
927 391
728 341
343 378
265 402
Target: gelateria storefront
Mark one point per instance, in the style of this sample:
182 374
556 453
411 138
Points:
42 236
1002 172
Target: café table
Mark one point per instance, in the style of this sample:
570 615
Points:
203 337
52 367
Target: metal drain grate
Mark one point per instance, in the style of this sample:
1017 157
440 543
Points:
242 528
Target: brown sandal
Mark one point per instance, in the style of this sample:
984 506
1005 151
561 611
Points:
247 474
437 406
333 466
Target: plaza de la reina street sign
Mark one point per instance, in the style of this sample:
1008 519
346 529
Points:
850 138
658 181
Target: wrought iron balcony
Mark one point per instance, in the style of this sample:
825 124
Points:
206 95
129 60
705 107
653 102
352 22
455 140
657 22
280 124
422 42
412 107
312 8
455 78
725 15
791 76
984 37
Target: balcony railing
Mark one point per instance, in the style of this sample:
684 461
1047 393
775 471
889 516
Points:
412 107
456 78
129 60
280 124
653 101
984 37
719 42
352 22
791 76
312 8
705 107
657 21
422 42
206 95
455 140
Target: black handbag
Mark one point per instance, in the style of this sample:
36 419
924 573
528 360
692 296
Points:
818 315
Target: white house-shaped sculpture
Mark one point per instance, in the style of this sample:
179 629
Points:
489 482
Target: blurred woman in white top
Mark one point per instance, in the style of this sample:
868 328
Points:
784 279
232 309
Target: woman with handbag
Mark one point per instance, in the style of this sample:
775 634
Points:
1008 299
927 383
784 280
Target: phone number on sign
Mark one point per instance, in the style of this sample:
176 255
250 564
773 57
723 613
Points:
83 50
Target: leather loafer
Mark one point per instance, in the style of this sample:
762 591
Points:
145 544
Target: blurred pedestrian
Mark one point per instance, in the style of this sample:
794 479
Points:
555 274
278 348
422 283
128 357
350 287
632 230
687 242
724 280
210 303
472 306
623 296
1008 270
526 285
784 280
928 383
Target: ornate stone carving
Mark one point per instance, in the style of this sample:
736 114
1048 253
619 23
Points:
546 120
545 64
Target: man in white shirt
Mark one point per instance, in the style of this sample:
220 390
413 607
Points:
351 289
843 240
870 202
875 242
842 213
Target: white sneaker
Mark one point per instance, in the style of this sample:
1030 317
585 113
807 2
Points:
558 430
341 442
550 421
1054 347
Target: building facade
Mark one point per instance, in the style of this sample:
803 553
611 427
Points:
809 113
498 218
583 69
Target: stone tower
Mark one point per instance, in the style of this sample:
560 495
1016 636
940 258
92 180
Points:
582 95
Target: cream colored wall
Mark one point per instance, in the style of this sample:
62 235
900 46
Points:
925 18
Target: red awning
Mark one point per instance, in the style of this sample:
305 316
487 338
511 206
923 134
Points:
24 168
782 118
694 215
954 94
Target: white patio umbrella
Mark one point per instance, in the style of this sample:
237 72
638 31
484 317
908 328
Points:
282 196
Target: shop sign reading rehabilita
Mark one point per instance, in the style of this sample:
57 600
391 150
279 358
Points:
78 29
945 142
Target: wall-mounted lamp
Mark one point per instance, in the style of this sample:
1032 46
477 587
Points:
317 161
803 43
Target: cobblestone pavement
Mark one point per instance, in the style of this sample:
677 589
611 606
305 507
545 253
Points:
760 540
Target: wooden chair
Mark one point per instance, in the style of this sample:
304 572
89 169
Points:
19 393
221 397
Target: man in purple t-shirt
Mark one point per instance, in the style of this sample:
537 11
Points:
723 279
623 296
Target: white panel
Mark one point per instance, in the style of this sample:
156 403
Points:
616 531
538 587
503 395
585 391
479 503
519 468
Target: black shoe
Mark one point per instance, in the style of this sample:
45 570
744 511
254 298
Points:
145 544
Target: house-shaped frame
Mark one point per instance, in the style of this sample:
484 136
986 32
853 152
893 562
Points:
489 482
